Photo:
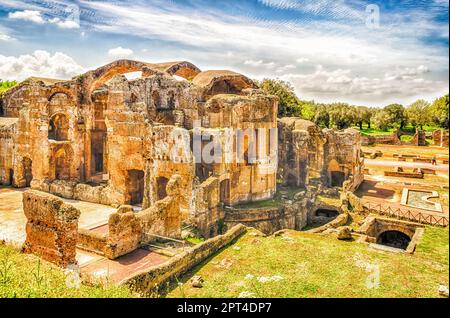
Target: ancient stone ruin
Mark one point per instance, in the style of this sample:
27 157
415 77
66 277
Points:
173 146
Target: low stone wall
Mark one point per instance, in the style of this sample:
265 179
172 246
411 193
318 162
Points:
377 139
91 241
416 175
127 230
52 227
100 194
353 202
267 220
153 278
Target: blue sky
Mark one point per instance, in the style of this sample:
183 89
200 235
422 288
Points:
329 50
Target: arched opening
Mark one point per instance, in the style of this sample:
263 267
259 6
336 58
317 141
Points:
336 176
291 180
395 239
58 128
156 99
161 186
225 191
327 213
98 138
62 165
27 171
171 100
135 186
224 87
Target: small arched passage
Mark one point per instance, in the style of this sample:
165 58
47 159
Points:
27 171
135 186
58 127
225 191
394 238
328 213
161 188
336 176
62 165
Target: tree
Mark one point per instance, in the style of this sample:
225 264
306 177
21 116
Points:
418 113
342 115
289 104
308 109
363 115
381 119
439 112
5 85
321 116
397 116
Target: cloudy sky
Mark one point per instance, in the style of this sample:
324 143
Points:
362 52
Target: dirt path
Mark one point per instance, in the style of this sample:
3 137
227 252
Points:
404 164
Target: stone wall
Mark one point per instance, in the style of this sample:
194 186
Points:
127 230
104 139
8 129
308 154
440 138
51 228
266 220
156 277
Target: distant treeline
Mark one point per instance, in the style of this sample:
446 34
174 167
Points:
342 115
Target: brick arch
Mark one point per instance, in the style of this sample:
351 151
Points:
61 90
96 78
183 69
222 82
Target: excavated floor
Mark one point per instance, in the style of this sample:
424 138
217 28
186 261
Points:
13 220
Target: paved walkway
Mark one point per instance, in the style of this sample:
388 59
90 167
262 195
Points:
95 268
13 220
404 164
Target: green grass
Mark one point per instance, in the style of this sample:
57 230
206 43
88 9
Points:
26 276
406 138
374 131
313 265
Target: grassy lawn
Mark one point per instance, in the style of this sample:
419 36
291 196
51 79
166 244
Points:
25 276
374 131
313 265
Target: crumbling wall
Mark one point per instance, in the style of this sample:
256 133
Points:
8 129
156 277
440 138
51 228
308 154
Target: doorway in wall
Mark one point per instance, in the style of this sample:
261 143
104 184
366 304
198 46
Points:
27 171
161 185
135 186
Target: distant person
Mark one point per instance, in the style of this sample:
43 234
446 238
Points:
433 160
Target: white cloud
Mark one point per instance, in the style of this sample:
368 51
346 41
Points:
260 63
64 24
120 52
285 68
40 63
27 15
302 60
5 37
371 91
36 17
